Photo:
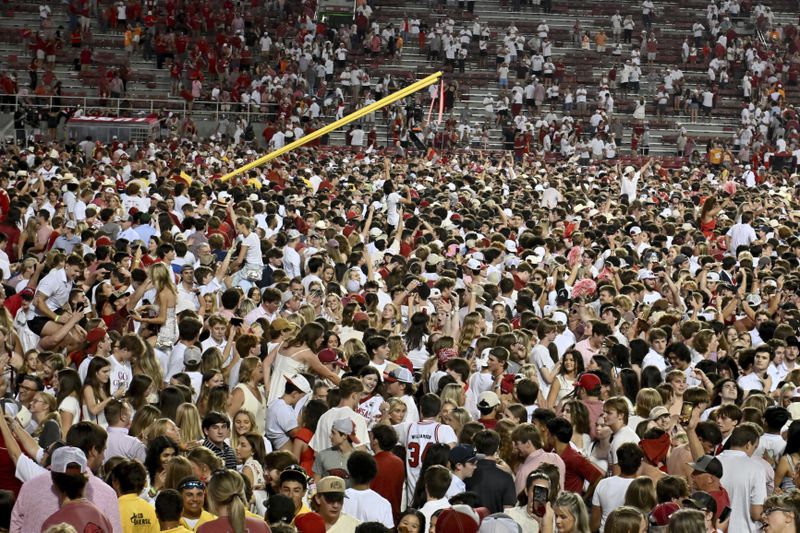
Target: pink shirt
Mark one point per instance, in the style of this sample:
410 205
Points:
532 462
586 351
37 500
83 516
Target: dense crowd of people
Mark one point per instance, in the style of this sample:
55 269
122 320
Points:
345 341
388 338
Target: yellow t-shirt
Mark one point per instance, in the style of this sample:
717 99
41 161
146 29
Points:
248 514
303 510
137 515
179 529
205 516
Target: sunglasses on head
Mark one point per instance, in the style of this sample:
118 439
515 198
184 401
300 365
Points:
194 484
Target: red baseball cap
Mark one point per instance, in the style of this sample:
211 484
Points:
587 381
310 523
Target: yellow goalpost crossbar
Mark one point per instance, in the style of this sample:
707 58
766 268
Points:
364 111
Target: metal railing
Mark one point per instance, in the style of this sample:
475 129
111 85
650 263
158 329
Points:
133 106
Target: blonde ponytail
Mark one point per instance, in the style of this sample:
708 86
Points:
226 488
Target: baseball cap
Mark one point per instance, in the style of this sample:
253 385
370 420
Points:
329 355
702 501
281 324
658 411
680 258
709 465
358 317
68 460
587 381
280 508
347 427
458 519
192 356
294 473
754 300
310 523
646 274
401 375
299 381
559 317
483 360
635 230
499 523
712 277
474 264
331 484
434 259
488 399
464 453
662 512
293 234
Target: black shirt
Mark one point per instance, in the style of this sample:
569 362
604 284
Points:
494 487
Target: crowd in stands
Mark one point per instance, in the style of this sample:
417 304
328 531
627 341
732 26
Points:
280 66
400 336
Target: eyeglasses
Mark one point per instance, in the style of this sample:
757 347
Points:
769 510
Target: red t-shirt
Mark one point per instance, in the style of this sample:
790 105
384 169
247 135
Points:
389 481
577 469
722 499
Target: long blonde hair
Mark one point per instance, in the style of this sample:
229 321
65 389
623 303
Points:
143 419
187 418
469 331
157 429
226 488
149 366
161 277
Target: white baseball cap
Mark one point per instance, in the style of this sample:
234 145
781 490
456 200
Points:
68 459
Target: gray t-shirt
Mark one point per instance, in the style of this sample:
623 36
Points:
332 462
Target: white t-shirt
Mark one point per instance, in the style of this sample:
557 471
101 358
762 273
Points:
121 374
281 419
70 405
253 249
746 483
392 215
741 235
541 358
56 287
623 435
609 495
322 436
368 506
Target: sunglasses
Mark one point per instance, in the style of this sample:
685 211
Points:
192 485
